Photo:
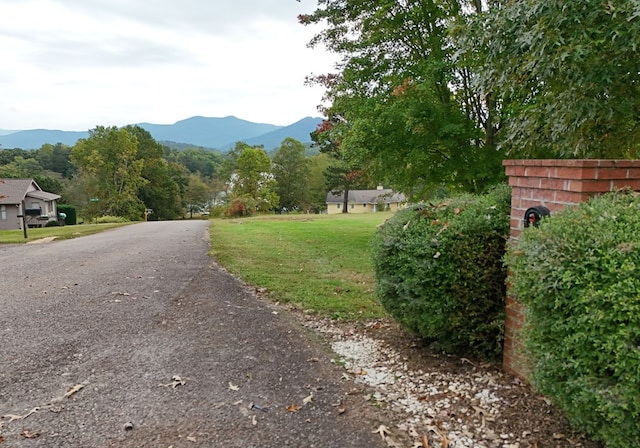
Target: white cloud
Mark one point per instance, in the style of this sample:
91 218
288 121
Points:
72 65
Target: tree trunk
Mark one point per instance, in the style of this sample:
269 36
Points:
345 201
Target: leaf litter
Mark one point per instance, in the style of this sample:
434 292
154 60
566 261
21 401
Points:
429 399
51 405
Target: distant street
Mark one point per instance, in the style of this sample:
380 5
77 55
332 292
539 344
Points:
134 338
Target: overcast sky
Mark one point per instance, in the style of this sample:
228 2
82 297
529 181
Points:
76 64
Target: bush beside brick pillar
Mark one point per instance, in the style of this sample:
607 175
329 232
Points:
554 184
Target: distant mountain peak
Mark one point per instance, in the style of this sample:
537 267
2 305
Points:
209 132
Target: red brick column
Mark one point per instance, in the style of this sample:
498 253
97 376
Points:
554 184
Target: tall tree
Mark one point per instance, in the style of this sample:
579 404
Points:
291 171
111 171
254 180
567 73
227 168
317 182
196 194
343 173
403 94
164 182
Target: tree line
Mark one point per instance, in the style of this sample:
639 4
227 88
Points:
125 172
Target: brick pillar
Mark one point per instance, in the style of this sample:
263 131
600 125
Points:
554 184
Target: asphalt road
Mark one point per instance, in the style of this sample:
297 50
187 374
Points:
135 338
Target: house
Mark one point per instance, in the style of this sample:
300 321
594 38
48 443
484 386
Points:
366 201
24 196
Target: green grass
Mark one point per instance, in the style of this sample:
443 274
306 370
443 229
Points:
60 233
319 263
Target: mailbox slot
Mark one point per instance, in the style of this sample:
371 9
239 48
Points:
533 215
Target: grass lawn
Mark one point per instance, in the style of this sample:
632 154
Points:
61 233
319 263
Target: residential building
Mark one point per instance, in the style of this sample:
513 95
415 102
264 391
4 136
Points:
366 201
20 197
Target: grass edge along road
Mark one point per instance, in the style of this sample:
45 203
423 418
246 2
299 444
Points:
58 232
317 263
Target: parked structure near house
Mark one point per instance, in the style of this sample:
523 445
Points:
366 201
24 197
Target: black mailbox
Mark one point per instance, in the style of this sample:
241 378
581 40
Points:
33 211
533 215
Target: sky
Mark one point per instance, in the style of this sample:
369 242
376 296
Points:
77 64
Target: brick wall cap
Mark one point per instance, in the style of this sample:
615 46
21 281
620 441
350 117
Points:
576 163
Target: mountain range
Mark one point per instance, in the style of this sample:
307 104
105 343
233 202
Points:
207 132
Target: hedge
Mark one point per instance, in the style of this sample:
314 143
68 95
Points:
578 275
440 273
70 211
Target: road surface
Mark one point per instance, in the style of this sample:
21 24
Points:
134 337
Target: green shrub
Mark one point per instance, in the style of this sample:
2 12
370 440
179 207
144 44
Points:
578 274
216 211
111 219
439 271
71 213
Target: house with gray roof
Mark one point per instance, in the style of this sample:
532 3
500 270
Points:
20 197
366 201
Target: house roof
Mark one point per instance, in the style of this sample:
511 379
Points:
367 196
13 191
44 195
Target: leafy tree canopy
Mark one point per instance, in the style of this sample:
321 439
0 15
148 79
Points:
291 171
112 173
253 178
567 73
405 111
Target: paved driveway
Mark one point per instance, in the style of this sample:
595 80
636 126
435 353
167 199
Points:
135 338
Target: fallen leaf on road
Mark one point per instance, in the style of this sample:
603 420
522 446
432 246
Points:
192 439
308 399
29 434
382 430
233 386
293 408
73 390
254 420
13 417
175 382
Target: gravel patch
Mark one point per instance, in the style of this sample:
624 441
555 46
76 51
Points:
428 399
